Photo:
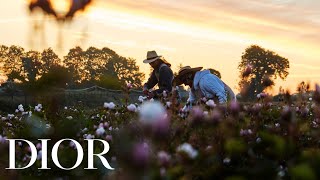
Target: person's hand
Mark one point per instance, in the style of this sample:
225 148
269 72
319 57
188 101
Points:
145 92
188 104
186 109
151 94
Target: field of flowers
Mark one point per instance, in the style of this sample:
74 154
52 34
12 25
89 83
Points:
162 140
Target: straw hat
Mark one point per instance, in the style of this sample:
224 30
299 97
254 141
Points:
153 56
183 71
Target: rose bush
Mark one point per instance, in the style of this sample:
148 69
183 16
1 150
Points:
258 140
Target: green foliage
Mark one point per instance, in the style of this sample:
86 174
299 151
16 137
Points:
273 145
302 172
235 147
224 151
109 82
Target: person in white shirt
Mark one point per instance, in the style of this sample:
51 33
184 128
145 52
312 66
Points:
204 84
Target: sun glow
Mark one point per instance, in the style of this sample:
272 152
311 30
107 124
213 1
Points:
61 6
143 23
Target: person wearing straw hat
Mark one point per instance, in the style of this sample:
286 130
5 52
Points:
203 84
161 75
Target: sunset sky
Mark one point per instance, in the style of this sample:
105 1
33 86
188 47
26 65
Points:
208 33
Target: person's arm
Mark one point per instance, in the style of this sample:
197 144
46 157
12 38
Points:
190 101
230 92
152 81
212 86
165 80
192 98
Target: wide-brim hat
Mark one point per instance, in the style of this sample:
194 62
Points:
183 71
151 57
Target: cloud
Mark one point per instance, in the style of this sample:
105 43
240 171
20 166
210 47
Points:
304 66
282 21
313 76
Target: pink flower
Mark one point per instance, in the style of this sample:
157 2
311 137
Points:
132 108
204 99
100 131
4 140
142 98
109 138
164 93
39 146
234 107
151 112
163 158
141 154
215 116
110 105
72 144
245 132
163 171
160 128
168 104
226 160
263 95
197 114
258 96
188 149
211 103
39 156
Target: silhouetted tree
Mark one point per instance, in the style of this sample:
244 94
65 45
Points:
258 69
49 59
75 64
11 60
86 67
31 65
56 77
125 69
93 64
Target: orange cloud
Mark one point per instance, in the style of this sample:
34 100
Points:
284 22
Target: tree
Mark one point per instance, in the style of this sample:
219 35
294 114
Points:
11 60
92 65
125 69
56 77
3 55
258 70
49 59
31 65
75 64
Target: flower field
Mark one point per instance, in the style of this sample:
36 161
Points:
162 140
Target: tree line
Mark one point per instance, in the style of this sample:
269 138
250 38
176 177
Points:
40 71
34 70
